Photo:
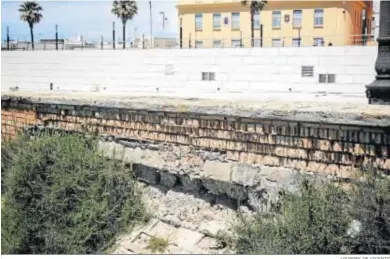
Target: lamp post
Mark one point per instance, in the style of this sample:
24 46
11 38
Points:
151 26
378 92
163 18
181 31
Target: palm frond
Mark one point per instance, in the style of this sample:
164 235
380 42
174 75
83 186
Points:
30 12
124 9
254 6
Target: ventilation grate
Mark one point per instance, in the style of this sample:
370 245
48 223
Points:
331 78
322 78
307 71
327 78
208 76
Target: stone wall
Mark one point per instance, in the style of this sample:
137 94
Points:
179 72
227 150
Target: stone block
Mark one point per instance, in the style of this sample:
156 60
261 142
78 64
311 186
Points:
215 187
167 179
148 174
190 183
237 192
246 175
217 170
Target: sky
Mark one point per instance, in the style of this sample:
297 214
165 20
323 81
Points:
92 19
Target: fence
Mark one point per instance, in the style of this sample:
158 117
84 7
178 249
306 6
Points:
193 42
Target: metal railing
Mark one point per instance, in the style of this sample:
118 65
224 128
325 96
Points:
201 43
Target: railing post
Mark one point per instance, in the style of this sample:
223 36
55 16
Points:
261 35
7 38
56 37
113 35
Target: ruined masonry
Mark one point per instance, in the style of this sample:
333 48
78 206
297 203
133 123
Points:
227 155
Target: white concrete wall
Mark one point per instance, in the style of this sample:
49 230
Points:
250 71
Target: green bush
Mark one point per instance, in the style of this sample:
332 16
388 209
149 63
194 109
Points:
318 220
62 197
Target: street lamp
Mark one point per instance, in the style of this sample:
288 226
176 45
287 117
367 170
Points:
151 26
181 31
164 18
378 92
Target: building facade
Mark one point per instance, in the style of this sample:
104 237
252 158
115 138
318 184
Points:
227 23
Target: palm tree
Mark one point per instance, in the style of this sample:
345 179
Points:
124 10
254 6
30 12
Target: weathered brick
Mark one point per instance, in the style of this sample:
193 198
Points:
323 145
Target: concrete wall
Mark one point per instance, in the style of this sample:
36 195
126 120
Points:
244 71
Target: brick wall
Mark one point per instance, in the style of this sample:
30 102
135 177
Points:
325 148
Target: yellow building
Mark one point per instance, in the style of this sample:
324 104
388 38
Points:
226 23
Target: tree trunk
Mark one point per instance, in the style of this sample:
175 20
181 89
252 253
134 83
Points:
32 36
252 29
124 35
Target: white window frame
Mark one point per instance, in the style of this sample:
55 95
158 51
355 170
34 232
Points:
277 39
198 43
217 45
236 43
256 43
198 24
297 19
318 17
217 21
276 19
236 23
319 41
297 42
256 20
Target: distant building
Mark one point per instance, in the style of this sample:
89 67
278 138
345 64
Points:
52 41
226 23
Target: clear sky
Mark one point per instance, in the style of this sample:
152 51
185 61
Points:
89 18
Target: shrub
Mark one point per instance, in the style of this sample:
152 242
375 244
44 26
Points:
318 221
62 197
312 222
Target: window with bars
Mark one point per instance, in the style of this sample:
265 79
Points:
297 18
236 43
198 22
217 43
235 21
276 42
217 21
276 19
318 41
319 17
295 42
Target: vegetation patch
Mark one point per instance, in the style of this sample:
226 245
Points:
157 244
320 220
62 197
